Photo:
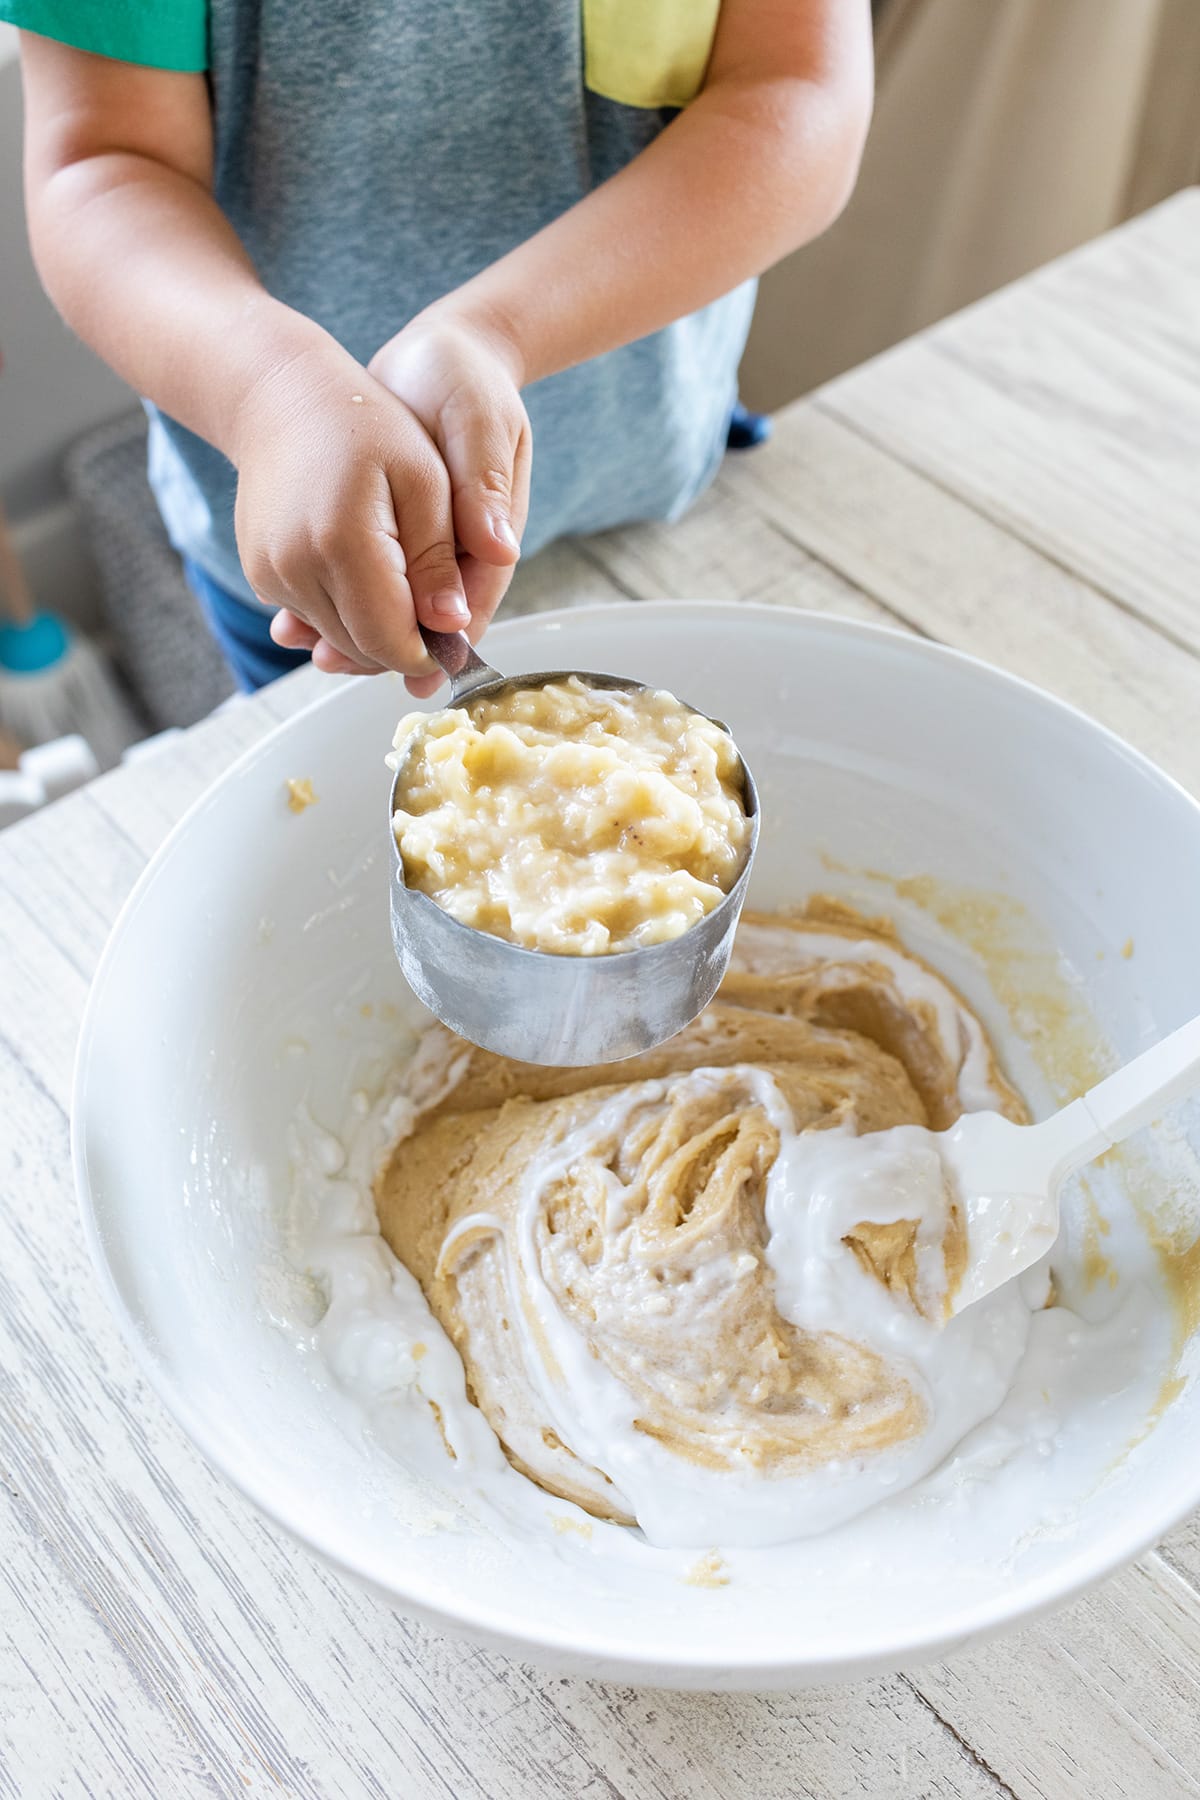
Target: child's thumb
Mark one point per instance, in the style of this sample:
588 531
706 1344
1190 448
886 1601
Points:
481 462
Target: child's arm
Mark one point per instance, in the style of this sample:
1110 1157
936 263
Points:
761 161
143 264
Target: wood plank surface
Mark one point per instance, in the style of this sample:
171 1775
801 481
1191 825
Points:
1067 409
1014 483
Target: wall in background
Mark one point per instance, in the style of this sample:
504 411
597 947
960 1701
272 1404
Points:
51 388
1004 134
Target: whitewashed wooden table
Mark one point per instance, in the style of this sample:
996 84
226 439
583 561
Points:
1023 482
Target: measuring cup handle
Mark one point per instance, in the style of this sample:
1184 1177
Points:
453 654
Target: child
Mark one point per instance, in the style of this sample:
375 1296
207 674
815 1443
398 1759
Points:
362 258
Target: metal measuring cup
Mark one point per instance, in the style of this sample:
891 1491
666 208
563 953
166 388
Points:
531 1005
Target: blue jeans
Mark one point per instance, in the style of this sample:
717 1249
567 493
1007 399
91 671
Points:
243 633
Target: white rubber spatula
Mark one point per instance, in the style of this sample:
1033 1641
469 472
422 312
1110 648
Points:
1007 1176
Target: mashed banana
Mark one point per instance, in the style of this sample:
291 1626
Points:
571 819
618 1260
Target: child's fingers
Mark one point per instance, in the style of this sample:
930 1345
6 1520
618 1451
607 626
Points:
486 581
291 632
374 593
335 630
289 581
426 524
480 445
486 586
332 662
522 472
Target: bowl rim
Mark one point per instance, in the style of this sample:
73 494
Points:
589 1649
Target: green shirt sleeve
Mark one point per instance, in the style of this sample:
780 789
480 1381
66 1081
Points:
160 34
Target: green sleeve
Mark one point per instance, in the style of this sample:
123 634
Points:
161 34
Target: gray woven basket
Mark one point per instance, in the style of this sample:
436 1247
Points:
158 632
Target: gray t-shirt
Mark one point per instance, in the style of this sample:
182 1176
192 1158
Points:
371 157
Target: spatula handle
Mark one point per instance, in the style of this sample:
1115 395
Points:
1143 1090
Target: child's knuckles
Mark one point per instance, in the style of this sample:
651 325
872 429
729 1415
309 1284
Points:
420 485
338 543
295 563
491 485
259 569
435 565
386 642
386 362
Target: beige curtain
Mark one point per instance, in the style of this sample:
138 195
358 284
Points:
1006 132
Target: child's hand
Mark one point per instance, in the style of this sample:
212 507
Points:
345 519
344 516
462 381
451 439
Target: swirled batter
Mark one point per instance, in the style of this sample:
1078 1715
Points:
707 1290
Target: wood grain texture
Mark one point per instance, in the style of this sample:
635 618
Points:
1009 484
939 566
1099 1700
1067 409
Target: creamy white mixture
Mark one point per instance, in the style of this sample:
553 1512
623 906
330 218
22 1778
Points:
384 1346
1009 1387
821 1185
390 1357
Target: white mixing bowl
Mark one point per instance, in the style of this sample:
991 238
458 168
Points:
239 979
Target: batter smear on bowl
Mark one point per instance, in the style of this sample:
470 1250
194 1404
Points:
706 1290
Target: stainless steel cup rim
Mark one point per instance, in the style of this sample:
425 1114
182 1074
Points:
490 685
535 1005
